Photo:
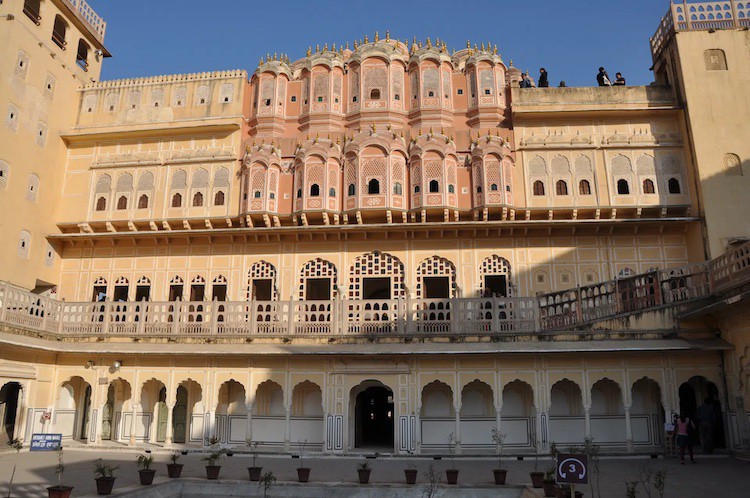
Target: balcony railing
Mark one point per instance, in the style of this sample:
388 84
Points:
572 308
689 16
97 26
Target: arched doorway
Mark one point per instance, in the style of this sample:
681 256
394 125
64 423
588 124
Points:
694 393
9 395
373 416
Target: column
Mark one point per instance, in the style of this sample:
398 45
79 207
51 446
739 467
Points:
418 430
170 425
457 433
587 417
628 430
249 427
542 425
498 424
287 428
97 425
131 441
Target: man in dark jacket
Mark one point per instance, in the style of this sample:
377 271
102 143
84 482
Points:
543 79
707 418
603 78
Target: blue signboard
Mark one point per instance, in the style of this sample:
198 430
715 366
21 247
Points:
45 442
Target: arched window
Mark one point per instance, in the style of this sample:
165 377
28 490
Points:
622 187
561 187
375 94
101 204
219 198
648 187
299 193
538 187
451 189
331 192
256 194
177 200
143 202
430 93
434 186
373 187
417 189
82 56
493 187
314 190
122 202
584 187
351 190
398 189
479 189
674 186
197 199
59 31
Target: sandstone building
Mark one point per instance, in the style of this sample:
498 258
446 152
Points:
383 245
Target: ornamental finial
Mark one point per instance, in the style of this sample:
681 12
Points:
387 35
309 51
367 40
494 50
468 44
429 43
325 48
317 48
377 37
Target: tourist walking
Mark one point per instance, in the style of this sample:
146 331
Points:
619 80
684 424
543 78
603 78
706 421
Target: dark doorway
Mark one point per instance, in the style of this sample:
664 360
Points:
142 293
219 292
100 293
8 410
496 285
373 412
197 292
179 416
376 288
318 289
175 292
262 289
692 394
85 413
436 287
121 293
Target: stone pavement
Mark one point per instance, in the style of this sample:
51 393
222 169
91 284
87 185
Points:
714 477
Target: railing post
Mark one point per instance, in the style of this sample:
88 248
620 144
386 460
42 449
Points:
142 314
657 289
60 314
254 317
454 311
214 317
176 312
537 314
688 21
409 316
107 310
735 21
400 311
495 316
6 298
579 306
290 318
45 312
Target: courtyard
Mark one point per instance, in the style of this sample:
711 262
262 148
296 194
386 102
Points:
712 476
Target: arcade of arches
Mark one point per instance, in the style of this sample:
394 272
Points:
350 404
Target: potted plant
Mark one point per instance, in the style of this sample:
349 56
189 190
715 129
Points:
303 473
536 476
410 471
105 478
548 483
255 471
451 475
59 491
212 470
266 481
363 469
174 469
145 472
500 473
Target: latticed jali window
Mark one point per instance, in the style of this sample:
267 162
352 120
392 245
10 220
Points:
376 264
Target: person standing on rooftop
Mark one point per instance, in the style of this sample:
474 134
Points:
619 80
526 81
543 78
603 78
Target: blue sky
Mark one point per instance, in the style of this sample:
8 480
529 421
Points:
570 38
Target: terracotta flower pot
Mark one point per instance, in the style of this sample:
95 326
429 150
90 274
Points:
500 475
146 476
174 470
537 478
303 474
550 488
411 476
212 472
451 475
364 475
254 473
59 491
104 485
